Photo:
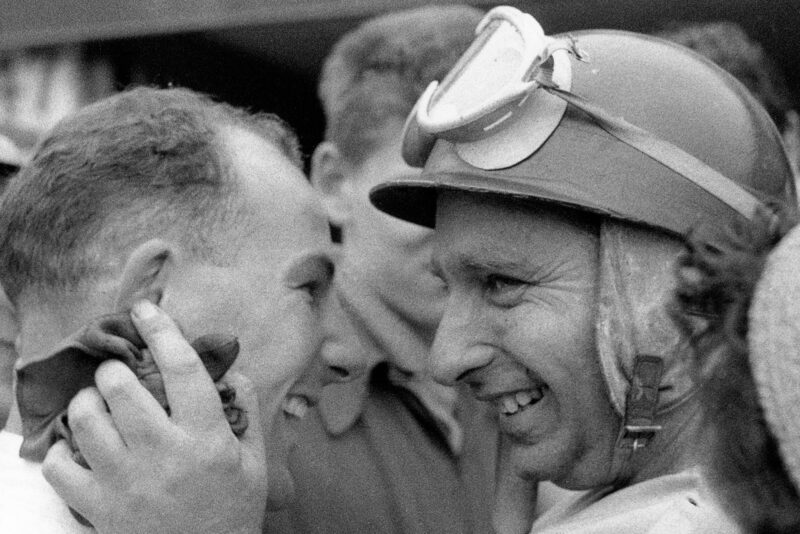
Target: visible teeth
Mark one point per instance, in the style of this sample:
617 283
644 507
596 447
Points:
510 405
523 398
514 402
296 406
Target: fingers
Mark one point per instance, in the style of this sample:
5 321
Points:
191 394
93 430
135 414
72 482
247 400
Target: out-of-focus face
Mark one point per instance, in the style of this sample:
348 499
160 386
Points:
518 328
342 350
271 295
385 274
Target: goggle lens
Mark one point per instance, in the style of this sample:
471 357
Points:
491 63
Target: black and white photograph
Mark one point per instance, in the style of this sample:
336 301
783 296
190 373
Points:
399 267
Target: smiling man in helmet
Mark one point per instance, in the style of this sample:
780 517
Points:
557 225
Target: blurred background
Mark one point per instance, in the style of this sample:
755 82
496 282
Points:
56 55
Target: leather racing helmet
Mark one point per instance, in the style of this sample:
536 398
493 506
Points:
621 124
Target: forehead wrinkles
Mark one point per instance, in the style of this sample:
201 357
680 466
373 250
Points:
484 231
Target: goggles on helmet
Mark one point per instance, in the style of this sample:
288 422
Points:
508 93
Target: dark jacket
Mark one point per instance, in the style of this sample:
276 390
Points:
372 461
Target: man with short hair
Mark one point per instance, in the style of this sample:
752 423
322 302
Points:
391 451
156 202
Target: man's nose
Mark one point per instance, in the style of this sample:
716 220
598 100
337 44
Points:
341 351
459 346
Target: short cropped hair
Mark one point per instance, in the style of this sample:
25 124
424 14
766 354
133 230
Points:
143 163
376 73
727 45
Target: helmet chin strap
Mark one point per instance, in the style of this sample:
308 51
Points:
639 425
640 349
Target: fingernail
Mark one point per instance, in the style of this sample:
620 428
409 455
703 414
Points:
144 309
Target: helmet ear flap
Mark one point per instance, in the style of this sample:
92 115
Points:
633 317
417 143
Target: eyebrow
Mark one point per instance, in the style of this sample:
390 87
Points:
470 263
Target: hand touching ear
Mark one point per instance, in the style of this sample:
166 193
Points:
154 472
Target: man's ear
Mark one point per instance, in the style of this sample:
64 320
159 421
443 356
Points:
146 273
329 176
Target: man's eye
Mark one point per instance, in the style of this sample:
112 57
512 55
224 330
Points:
312 278
504 290
311 288
440 279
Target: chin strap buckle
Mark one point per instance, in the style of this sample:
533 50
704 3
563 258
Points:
640 409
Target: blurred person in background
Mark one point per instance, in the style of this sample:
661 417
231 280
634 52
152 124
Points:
557 226
10 160
392 450
738 299
728 45
160 197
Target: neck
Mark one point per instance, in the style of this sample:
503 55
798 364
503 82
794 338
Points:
42 325
40 331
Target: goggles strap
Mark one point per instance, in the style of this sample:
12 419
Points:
667 154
